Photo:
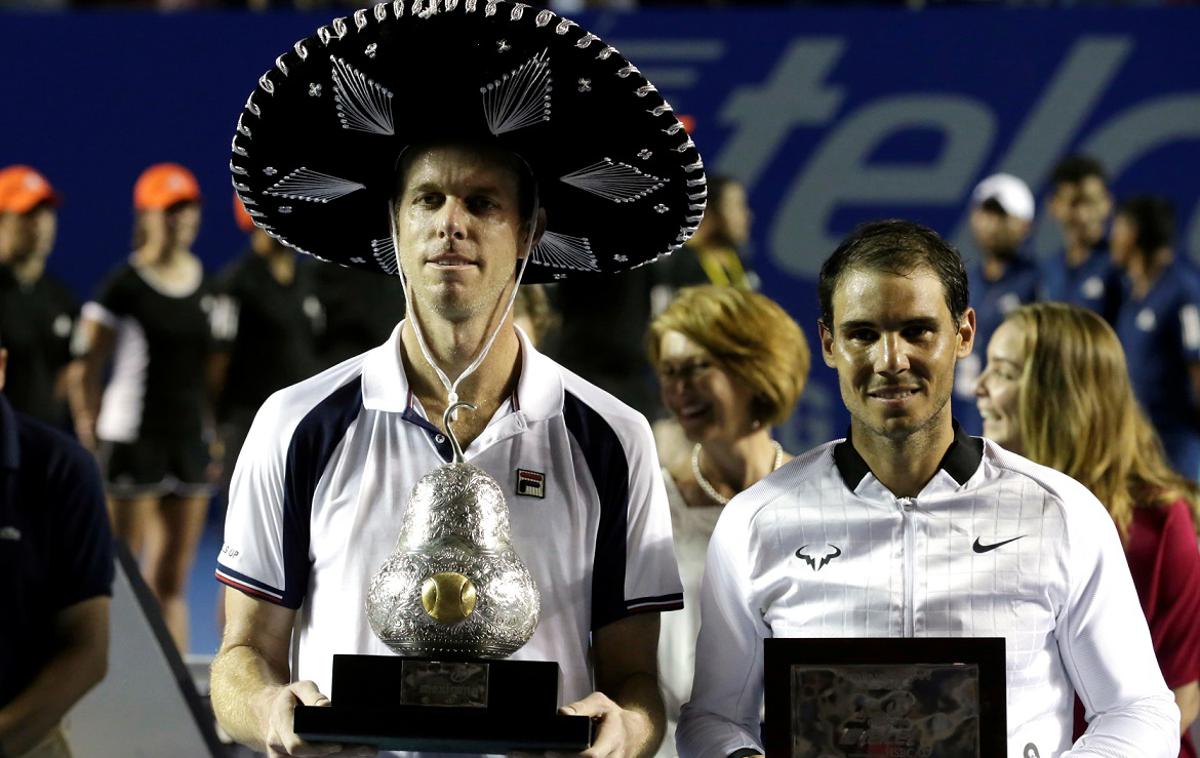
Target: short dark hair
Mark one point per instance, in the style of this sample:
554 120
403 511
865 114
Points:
526 182
897 247
1154 217
1075 168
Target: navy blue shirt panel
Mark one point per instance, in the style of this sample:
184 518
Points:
609 467
56 545
1095 284
1160 336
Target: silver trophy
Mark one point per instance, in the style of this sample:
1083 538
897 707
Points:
453 600
454 586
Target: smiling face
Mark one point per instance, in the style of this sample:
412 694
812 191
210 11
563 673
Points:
459 229
998 392
1081 209
705 399
894 344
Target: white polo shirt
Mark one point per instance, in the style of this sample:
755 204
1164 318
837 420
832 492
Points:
325 475
993 546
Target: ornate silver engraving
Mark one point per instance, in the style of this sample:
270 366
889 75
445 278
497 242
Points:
564 251
242 128
489 10
398 8
586 40
360 19
627 71
614 181
520 98
384 253
324 35
585 85
362 104
370 50
502 46
693 167
544 18
563 26
687 145
252 106
285 209
238 169
270 171
339 27
471 5
300 49
313 186
661 208
267 85
646 90
279 64
314 89
674 128
517 12
645 154
381 12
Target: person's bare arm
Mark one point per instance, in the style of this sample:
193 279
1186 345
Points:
628 703
251 690
1187 697
79 663
95 341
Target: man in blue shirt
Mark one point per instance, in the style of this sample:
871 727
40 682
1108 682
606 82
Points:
56 571
1159 326
1083 273
1002 210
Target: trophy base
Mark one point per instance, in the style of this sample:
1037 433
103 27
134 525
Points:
448 706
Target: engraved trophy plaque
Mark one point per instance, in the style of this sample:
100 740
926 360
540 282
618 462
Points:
453 600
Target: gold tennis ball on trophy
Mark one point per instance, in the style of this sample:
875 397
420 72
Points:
449 597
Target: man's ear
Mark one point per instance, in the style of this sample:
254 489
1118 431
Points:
966 333
826 335
539 228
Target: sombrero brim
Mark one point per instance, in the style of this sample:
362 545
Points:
314 156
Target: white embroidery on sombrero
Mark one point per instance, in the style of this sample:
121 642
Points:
279 64
313 186
520 98
564 251
384 252
398 8
544 18
472 5
362 105
360 19
245 130
249 202
267 85
614 181
238 169
252 107
381 12
694 167
300 49
339 27
606 53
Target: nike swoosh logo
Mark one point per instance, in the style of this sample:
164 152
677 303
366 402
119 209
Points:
981 548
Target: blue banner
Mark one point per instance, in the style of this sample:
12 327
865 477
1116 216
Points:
830 117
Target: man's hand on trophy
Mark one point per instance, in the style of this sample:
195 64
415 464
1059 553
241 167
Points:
282 742
619 733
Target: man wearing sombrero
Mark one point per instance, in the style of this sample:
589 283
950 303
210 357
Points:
467 147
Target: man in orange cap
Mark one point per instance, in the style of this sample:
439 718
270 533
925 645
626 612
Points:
37 310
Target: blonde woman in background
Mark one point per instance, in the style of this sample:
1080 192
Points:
731 364
1056 390
153 321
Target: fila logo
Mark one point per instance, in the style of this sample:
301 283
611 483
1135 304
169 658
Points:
10 533
825 557
531 483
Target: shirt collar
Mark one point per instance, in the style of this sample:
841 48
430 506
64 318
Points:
961 460
10 450
385 387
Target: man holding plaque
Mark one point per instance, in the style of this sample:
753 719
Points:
466 147
910 528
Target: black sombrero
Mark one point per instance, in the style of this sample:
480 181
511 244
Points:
315 152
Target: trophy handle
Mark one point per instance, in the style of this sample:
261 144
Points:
447 417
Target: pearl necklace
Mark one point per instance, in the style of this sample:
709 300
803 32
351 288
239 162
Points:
710 490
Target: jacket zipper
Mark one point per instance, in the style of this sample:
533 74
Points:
907 505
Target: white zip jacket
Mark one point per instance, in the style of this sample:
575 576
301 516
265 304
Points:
993 546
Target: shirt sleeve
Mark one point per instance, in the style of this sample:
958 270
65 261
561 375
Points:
1173 620
112 300
722 716
257 556
651 573
1106 648
83 566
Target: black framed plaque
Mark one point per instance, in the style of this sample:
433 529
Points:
926 697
